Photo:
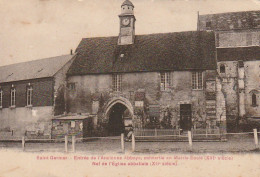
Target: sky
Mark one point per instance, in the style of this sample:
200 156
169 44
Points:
35 29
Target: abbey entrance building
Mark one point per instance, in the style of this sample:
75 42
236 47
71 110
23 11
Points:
201 80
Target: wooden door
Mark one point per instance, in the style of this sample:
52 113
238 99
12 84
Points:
185 117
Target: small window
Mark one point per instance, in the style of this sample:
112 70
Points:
208 24
197 80
165 80
222 69
72 124
1 98
117 82
254 99
29 92
13 92
71 86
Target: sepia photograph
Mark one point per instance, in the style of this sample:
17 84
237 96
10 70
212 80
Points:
129 88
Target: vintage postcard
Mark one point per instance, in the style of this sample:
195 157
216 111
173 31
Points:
129 88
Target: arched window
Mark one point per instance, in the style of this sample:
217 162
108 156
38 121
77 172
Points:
222 68
253 99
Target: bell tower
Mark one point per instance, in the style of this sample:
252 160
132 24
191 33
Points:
127 24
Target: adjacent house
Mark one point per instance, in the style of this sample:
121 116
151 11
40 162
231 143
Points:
237 36
31 93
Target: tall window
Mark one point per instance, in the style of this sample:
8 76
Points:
1 98
253 99
165 80
117 82
222 68
13 96
29 92
197 81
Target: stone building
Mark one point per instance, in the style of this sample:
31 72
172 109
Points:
31 93
150 81
237 37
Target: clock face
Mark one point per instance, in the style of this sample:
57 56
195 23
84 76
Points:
125 21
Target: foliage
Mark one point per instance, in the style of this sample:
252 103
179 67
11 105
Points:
167 117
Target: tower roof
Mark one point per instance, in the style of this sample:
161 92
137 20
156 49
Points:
127 2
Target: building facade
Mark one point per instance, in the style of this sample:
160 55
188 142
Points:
31 93
148 81
203 80
237 38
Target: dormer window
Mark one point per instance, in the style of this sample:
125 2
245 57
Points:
222 68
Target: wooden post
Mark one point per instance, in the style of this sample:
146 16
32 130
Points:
219 135
133 142
122 142
190 138
256 137
66 143
23 143
73 144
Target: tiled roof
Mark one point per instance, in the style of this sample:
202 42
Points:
33 69
154 52
238 53
230 21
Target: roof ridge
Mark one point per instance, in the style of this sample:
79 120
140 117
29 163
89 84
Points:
147 34
232 12
35 60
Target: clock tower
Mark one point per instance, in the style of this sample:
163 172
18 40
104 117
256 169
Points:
127 24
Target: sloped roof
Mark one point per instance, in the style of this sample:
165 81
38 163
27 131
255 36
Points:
239 53
231 20
127 2
153 52
33 69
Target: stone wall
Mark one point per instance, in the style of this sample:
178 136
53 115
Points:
32 121
238 38
252 85
239 81
93 94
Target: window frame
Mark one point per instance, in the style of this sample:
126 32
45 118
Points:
165 81
13 96
117 82
254 99
29 92
71 86
1 98
208 24
221 68
197 80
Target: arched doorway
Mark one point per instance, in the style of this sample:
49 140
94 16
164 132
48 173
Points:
119 117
